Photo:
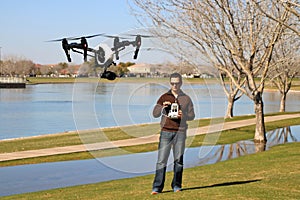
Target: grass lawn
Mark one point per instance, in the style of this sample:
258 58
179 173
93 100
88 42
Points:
226 137
45 80
273 174
54 80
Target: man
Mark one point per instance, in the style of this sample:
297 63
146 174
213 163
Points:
173 132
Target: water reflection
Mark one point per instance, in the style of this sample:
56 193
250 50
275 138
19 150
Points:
29 178
281 136
241 148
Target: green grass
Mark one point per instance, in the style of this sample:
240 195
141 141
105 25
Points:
226 137
273 174
76 138
54 80
100 135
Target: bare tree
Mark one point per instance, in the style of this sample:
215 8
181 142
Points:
286 55
10 66
234 35
23 67
292 6
285 66
232 93
16 66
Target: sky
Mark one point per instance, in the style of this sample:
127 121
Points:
26 25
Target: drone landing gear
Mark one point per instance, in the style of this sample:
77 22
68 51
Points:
136 53
68 55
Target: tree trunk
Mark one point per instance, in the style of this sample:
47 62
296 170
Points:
229 111
260 132
282 102
259 147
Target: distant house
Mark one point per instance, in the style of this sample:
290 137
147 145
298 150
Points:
206 75
141 69
187 76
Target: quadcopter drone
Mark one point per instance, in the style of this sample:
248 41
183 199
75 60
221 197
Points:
99 54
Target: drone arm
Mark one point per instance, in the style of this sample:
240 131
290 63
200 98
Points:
67 52
74 50
133 43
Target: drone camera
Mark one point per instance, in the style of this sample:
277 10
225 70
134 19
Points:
109 75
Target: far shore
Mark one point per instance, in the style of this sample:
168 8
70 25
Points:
56 80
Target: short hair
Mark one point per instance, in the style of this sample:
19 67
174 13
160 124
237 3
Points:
176 75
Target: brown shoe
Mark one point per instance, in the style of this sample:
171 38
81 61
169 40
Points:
154 192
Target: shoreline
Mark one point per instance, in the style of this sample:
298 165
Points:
76 132
45 153
71 132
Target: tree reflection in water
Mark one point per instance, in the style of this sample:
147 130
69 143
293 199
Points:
281 136
241 148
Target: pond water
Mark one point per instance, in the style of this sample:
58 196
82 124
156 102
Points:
37 177
54 108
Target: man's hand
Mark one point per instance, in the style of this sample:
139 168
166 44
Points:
179 114
166 104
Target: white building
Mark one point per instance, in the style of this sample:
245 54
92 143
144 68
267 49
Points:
141 69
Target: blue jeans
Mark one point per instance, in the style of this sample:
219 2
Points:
168 140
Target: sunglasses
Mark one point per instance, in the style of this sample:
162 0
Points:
178 83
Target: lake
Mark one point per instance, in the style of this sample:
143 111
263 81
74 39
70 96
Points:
54 108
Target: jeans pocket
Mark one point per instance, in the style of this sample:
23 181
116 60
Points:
166 135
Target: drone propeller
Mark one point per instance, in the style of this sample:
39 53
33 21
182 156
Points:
113 36
88 36
58 40
145 36
75 38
